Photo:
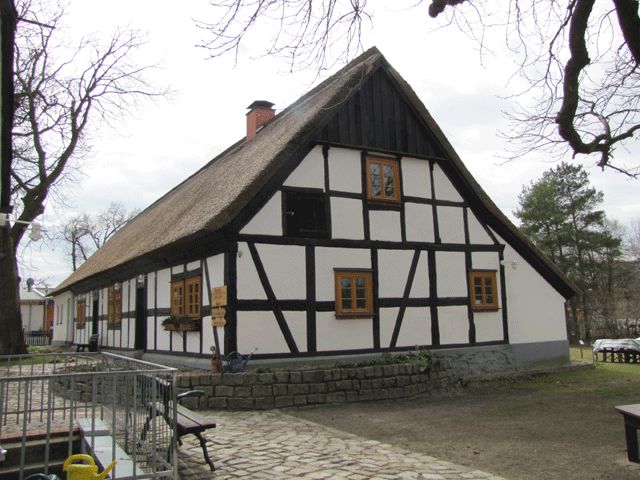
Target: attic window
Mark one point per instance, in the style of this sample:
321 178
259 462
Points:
383 179
483 291
186 297
304 213
354 293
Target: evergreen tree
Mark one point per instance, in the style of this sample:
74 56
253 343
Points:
560 214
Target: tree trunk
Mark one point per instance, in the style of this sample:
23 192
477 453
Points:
573 324
11 339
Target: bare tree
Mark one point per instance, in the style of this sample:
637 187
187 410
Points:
632 240
307 33
579 59
61 93
86 233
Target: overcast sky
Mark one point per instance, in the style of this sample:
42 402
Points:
160 143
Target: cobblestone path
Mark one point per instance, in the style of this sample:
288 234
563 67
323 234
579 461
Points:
274 445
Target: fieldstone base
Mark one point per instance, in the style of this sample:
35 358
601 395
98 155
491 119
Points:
266 389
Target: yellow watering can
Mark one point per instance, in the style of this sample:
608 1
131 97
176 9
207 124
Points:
84 471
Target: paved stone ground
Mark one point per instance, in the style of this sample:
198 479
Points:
274 445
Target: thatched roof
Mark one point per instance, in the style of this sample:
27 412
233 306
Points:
212 197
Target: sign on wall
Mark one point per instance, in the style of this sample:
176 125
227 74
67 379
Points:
219 296
218 302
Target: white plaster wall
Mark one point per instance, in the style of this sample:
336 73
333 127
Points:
128 304
454 325
477 233
81 335
164 287
102 311
248 281
346 218
176 269
415 328
443 187
209 341
415 177
393 268
536 309
32 316
345 170
486 261
342 334
268 220
418 219
151 282
193 265
215 267
327 259
163 336
150 334
193 339
420 287
488 326
451 224
260 330
69 318
387 322
310 172
451 274
384 225
286 270
61 330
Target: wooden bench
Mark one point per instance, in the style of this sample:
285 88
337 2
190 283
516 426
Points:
98 442
631 414
92 346
187 421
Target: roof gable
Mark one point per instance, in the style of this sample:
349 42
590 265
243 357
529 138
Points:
379 116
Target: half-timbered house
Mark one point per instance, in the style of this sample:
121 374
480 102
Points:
345 224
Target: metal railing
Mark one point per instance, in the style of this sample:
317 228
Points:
37 338
120 402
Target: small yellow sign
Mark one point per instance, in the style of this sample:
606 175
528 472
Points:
218 312
219 296
218 322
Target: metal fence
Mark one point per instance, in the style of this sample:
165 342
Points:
37 338
110 406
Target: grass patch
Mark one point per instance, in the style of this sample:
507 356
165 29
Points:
36 356
607 380
578 354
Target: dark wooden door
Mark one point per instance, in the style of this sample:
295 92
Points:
95 315
141 318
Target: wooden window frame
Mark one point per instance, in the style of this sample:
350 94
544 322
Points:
186 304
114 307
81 313
353 312
193 297
395 166
484 305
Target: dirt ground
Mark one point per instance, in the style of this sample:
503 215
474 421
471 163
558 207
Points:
551 427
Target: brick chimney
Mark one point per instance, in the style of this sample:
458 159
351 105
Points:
259 113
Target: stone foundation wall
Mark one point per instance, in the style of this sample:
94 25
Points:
480 361
320 385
